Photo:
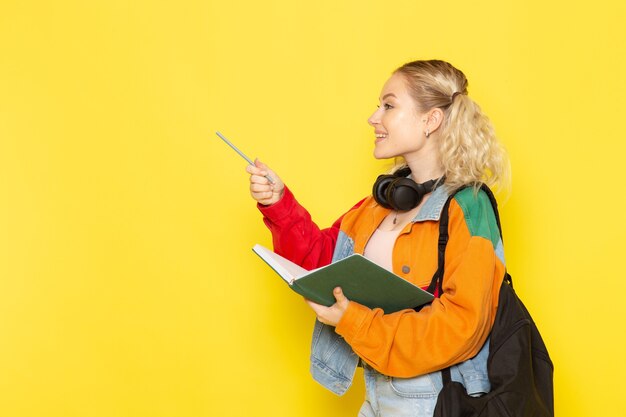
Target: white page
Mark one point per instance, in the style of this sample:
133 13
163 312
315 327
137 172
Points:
284 267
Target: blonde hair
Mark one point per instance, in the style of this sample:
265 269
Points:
469 151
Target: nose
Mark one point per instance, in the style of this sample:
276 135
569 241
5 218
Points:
374 119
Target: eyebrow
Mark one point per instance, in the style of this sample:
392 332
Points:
387 95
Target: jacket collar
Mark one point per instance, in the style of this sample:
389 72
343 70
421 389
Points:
431 210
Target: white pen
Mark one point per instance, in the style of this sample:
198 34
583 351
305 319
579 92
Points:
243 155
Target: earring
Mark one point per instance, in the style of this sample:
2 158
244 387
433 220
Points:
427 133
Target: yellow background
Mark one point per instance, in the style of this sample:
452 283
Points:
127 284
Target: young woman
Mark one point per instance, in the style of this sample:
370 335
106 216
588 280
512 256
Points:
426 119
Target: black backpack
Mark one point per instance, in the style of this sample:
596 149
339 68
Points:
519 367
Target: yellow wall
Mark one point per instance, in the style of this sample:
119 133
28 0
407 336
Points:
127 284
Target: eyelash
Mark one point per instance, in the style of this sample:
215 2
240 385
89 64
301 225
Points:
386 106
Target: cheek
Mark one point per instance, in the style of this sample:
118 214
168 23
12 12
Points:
401 119
404 125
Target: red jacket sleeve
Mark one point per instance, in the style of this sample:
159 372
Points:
295 235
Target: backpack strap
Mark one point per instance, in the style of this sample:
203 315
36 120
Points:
437 280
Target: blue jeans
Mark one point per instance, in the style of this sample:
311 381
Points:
387 396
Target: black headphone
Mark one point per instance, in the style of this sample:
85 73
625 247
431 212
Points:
396 191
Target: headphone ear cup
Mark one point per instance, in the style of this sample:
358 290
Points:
379 190
404 194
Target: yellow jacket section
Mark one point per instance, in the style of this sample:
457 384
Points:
450 330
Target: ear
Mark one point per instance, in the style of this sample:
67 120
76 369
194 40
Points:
434 119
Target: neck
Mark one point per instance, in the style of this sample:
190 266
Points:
424 169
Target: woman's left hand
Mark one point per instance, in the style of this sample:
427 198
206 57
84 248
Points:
331 315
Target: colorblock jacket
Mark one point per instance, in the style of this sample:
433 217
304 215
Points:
450 331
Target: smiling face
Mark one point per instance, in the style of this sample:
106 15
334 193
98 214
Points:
399 125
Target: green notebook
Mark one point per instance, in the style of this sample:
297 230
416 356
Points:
360 279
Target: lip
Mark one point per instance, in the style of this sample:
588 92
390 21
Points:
379 132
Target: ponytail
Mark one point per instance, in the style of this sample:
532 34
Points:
469 149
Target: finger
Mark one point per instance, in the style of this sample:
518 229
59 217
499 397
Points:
263 198
258 179
259 164
266 171
260 188
251 169
263 194
338 293
317 308
340 297
312 304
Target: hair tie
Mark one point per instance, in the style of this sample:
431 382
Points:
454 95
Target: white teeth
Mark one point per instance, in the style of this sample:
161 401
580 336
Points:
381 135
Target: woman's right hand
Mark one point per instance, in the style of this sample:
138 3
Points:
261 189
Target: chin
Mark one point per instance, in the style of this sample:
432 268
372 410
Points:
382 155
